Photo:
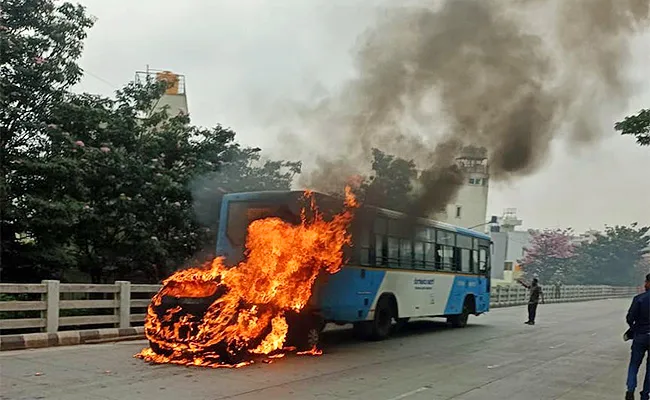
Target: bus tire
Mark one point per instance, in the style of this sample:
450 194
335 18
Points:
361 329
159 350
305 332
460 320
382 323
401 324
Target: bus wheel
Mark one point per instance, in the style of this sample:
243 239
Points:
384 315
460 320
401 324
305 333
159 350
361 329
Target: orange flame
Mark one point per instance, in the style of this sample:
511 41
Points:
248 304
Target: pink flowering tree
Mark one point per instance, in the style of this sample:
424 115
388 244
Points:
548 256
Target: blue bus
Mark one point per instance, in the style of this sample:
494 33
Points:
398 268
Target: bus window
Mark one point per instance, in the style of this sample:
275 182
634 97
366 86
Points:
380 226
464 242
241 214
380 250
393 252
445 238
482 263
418 255
446 257
422 233
430 255
431 235
364 247
465 260
405 254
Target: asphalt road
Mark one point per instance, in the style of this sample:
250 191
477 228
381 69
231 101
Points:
574 352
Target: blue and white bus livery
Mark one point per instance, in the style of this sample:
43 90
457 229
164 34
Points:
398 268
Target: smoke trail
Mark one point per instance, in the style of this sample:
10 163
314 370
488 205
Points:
501 82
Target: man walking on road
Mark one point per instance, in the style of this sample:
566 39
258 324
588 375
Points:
535 295
638 318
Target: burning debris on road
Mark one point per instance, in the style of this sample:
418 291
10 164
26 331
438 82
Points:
218 316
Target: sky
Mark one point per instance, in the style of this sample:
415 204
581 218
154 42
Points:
244 59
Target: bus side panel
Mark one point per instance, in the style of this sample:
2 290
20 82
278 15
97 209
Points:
483 304
348 295
418 294
464 286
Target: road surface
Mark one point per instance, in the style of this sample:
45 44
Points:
574 352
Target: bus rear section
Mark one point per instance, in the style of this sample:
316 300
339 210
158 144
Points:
402 269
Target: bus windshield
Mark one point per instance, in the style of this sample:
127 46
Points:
242 213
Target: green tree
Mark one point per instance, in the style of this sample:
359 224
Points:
391 183
637 125
40 42
613 257
128 179
95 185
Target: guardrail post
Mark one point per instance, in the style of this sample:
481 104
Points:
51 298
124 296
498 299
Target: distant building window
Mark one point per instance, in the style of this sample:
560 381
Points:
507 266
458 209
471 181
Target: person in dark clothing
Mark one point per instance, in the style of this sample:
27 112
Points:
536 294
638 318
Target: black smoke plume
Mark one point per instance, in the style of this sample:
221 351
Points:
506 75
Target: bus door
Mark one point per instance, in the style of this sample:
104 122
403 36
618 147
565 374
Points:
483 301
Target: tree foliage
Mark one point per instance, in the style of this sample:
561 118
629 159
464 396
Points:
391 183
40 42
103 187
636 125
613 257
548 257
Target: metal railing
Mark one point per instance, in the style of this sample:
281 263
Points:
49 303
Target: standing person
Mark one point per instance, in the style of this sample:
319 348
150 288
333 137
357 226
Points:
536 295
638 318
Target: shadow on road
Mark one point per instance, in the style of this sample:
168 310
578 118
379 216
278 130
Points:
344 336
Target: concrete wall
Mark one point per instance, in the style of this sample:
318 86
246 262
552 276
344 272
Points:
177 104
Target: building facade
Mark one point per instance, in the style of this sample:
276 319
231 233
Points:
469 207
509 247
175 96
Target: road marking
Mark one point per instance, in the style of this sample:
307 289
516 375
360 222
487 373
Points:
557 346
411 393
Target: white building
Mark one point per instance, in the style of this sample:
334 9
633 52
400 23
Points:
175 97
469 207
509 247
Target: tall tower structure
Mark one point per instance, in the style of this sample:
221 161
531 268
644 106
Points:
469 208
175 96
509 221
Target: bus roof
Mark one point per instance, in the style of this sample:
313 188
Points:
275 194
